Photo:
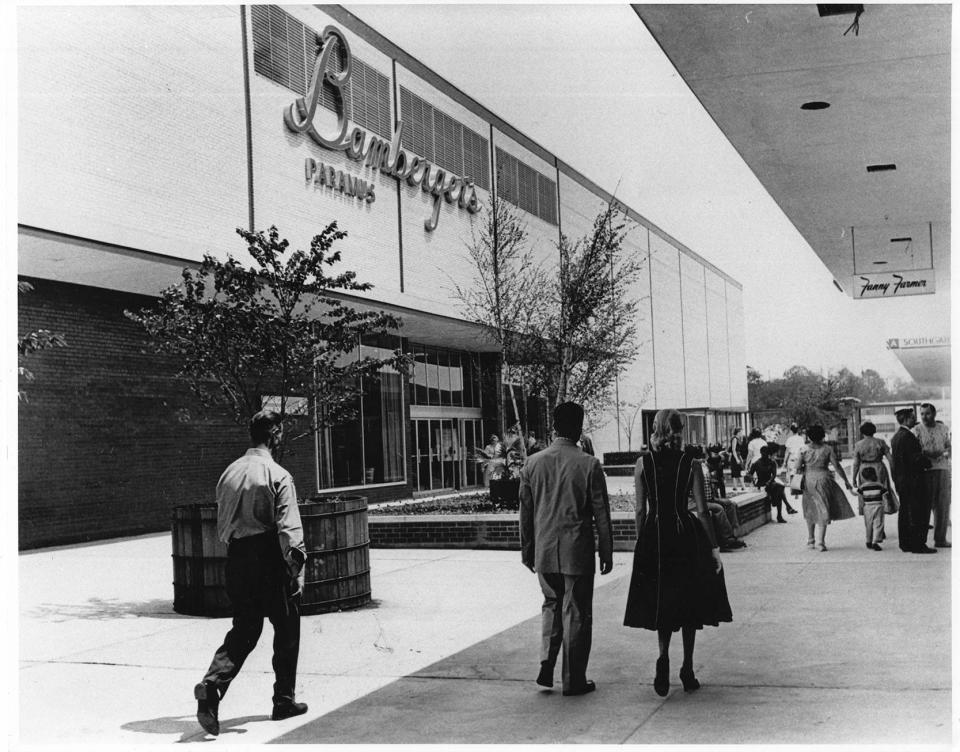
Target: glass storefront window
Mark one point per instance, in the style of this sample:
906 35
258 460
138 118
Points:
466 373
433 376
443 357
368 449
456 379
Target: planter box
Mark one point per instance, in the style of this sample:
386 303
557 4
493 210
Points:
337 575
505 491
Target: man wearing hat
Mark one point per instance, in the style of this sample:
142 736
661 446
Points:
908 464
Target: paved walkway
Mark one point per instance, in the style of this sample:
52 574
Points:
846 646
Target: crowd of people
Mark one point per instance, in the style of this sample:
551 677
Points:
683 522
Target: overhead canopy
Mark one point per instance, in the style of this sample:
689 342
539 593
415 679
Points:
821 116
927 359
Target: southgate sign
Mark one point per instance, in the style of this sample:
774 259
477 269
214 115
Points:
894 284
368 149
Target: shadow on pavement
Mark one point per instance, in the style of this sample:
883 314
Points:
99 608
188 728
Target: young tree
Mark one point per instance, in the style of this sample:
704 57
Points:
240 333
627 413
587 322
504 288
31 343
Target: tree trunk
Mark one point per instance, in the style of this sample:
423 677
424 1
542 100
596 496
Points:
516 416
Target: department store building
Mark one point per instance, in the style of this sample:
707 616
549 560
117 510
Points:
147 135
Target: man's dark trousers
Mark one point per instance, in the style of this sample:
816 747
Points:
567 623
257 584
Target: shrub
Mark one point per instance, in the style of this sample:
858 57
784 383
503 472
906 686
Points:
620 458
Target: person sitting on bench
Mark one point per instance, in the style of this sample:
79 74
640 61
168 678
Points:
764 472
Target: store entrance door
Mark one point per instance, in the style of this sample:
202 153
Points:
444 453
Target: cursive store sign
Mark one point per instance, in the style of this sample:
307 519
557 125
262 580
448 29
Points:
894 284
368 149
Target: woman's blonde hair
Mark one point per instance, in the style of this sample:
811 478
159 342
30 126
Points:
667 424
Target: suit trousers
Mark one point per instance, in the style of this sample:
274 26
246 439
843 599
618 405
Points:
567 624
935 486
257 583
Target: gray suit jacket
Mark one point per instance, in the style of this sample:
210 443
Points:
563 491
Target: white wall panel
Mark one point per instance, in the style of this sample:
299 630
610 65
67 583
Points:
695 346
737 342
435 262
636 383
301 209
717 341
667 323
131 125
543 236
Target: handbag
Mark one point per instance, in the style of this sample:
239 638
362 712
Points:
889 505
796 483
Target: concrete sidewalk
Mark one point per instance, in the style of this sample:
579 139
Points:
846 646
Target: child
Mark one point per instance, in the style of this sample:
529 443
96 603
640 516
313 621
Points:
715 466
872 495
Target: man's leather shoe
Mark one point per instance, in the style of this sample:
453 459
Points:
208 707
545 677
924 550
288 710
945 544
588 687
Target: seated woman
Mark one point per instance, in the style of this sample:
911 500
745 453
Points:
764 472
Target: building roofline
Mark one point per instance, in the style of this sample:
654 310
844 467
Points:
378 40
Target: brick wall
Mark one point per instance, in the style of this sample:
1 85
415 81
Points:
502 531
109 440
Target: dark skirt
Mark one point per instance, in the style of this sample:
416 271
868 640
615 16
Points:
735 468
674 584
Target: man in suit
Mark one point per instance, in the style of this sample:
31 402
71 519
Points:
908 464
563 491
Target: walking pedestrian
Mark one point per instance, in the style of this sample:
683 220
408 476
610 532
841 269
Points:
677 583
935 441
872 492
793 446
823 500
737 451
908 463
563 492
870 452
258 519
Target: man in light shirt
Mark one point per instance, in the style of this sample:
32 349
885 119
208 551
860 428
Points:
935 483
257 516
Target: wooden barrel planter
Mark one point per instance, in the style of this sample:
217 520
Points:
199 562
338 554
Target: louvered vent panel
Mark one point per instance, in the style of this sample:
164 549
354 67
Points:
547 194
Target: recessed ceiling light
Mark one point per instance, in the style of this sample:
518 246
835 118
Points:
814 105
901 240
878 263
880 167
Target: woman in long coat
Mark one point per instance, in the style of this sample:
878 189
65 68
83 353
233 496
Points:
677 581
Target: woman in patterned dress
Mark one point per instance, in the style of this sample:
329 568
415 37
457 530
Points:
823 500
677 581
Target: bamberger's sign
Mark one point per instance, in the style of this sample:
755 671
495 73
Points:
894 284
366 148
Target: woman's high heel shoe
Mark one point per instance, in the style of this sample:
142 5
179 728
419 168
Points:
661 683
690 683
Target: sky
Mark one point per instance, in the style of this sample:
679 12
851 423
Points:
591 85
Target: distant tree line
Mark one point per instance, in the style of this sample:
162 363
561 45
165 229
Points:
807 397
